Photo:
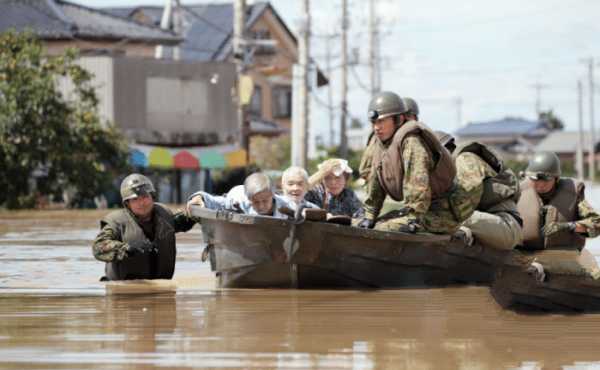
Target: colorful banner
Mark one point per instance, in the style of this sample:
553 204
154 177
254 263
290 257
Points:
189 158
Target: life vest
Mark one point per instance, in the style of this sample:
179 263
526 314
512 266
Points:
390 168
148 265
561 208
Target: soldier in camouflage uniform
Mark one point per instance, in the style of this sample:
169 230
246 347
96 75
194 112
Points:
411 166
364 169
554 209
138 241
493 192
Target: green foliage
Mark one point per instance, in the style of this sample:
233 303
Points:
551 120
271 153
333 152
43 135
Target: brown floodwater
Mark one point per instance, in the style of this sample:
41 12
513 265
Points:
55 314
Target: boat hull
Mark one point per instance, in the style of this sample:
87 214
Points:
262 252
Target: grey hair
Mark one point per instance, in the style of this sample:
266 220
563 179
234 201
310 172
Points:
295 170
257 183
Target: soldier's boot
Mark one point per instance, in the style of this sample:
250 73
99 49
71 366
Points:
465 235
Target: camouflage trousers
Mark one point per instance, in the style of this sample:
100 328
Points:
437 221
499 230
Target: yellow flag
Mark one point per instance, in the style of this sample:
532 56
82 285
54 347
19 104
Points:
246 87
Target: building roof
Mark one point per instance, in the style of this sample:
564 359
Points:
508 126
207 28
59 19
564 142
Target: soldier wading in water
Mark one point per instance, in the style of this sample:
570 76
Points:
411 166
138 241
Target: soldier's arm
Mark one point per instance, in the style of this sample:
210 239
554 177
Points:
416 188
470 173
108 246
375 198
366 161
588 218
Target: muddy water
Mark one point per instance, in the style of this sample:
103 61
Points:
55 314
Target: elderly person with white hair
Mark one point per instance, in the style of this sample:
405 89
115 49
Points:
329 190
258 198
294 184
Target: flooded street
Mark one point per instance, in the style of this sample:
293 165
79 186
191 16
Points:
55 314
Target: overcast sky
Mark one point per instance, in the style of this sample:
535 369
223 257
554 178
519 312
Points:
488 53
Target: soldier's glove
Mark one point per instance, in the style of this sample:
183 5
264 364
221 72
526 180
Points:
139 247
555 227
366 223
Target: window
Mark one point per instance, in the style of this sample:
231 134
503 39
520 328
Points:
255 106
282 101
263 34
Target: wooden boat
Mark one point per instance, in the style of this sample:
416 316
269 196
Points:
263 252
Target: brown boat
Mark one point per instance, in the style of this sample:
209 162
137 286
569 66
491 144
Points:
263 252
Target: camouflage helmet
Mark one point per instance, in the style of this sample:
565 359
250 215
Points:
385 104
411 106
135 185
446 140
543 166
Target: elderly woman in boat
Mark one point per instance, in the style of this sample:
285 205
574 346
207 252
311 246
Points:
257 199
329 189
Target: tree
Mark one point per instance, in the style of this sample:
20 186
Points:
49 142
551 120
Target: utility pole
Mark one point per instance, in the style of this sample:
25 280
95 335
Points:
177 28
459 102
300 122
344 93
165 23
239 9
592 153
329 89
538 96
579 154
373 48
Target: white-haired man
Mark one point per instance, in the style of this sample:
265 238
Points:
259 199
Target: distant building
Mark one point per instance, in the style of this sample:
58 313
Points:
62 24
207 30
512 137
565 144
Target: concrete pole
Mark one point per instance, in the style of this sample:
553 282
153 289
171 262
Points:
372 47
344 93
177 27
592 154
459 102
239 10
165 22
579 154
306 83
329 90
300 93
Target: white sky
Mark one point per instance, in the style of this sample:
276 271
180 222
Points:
487 52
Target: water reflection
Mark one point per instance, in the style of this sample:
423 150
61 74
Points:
55 314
